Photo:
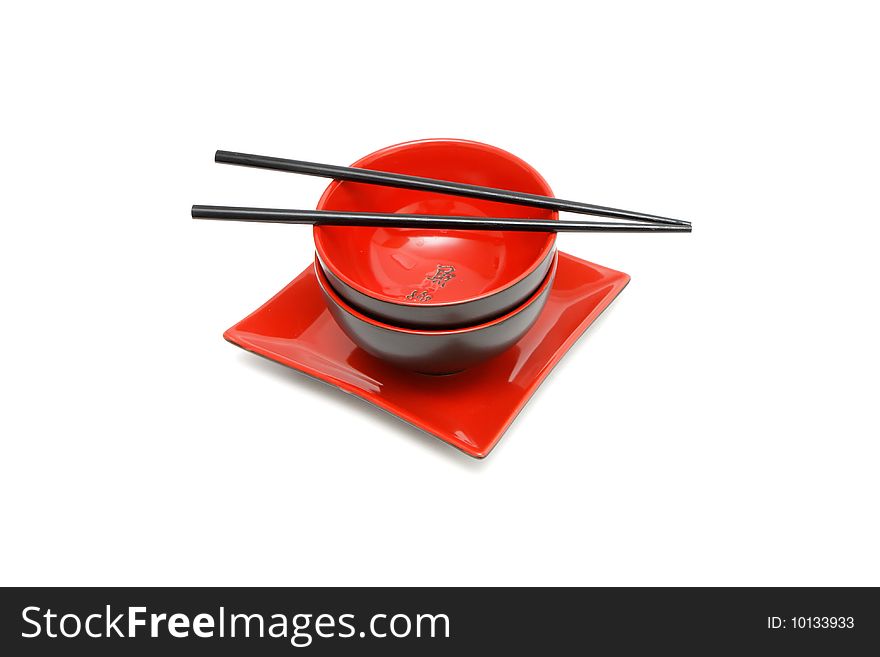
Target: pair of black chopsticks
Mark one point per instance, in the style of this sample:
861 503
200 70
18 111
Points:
638 222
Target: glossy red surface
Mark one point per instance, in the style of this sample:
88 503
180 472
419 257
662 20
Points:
390 263
295 328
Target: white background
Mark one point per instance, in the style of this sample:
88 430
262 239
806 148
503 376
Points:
718 425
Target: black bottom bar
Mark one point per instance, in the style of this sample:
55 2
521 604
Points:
419 621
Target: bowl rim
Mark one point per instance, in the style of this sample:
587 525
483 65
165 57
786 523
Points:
366 159
343 305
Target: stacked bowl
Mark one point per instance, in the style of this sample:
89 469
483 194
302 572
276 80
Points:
436 301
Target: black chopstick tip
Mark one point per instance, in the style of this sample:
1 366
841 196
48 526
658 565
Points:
226 157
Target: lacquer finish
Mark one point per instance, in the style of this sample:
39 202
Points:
428 277
440 316
435 351
295 328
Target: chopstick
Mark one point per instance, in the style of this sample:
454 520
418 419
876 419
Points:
387 179
333 218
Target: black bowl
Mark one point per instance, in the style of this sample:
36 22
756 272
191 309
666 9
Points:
436 351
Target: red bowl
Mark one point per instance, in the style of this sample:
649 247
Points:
436 351
436 278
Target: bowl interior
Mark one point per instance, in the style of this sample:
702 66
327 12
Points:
392 263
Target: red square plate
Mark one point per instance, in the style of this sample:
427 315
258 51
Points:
295 329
